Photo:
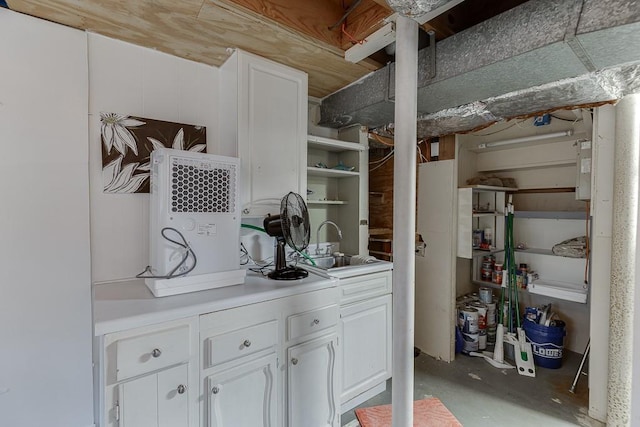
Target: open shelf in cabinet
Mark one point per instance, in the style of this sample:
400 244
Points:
565 291
335 194
330 173
480 207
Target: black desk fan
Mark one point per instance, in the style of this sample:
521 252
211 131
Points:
290 227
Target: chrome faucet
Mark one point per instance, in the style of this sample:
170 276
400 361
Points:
318 233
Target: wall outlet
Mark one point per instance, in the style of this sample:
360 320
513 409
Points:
542 120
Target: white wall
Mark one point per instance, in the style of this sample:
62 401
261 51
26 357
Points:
132 80
45 290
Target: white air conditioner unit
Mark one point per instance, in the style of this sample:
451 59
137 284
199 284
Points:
194 222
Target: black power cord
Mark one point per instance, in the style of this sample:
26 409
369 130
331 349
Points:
172 274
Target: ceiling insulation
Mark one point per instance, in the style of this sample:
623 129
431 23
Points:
537 56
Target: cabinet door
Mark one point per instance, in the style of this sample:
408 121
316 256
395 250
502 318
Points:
365 328
155 400
312 393
436 270
244 395
272 128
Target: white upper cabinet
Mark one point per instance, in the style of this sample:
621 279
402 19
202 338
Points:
263 120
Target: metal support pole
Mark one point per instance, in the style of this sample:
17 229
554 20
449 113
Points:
404 220
626 184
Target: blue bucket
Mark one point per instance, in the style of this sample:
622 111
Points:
547 343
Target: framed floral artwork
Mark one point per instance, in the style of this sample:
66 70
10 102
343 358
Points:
127 143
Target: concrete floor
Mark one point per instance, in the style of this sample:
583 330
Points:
480 395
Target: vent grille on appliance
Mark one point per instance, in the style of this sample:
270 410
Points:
198 186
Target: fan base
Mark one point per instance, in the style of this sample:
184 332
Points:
288 273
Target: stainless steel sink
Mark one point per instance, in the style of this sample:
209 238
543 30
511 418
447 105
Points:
329 262
340 266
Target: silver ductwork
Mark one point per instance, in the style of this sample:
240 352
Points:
415 8
540 55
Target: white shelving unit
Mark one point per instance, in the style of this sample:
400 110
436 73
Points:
560 277
480 207
336 194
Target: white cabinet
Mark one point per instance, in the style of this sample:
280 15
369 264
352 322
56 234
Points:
312 392
263 120
366 348
158 399
239 367
365 333
436 271
481 220
272 363
149 376
336 192
244 395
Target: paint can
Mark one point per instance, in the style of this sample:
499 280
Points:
482 339
474 297
482 314
470 342
486 295
468 320
492 318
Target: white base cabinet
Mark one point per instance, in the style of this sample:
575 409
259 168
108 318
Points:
149 376
366 330
244 395
312 392
365 336
155 400
270 364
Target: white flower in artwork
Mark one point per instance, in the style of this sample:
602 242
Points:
123 180
115 133
178 143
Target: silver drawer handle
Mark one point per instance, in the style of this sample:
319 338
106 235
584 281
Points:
215 390
181 389
156 352
246 343
316 321
294 361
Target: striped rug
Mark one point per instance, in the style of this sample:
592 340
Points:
426 413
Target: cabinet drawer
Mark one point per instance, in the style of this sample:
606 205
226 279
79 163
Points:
243 342
312 321
364 287
150 352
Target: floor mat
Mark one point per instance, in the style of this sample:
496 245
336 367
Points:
426 413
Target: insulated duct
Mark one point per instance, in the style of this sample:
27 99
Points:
540 55
415 8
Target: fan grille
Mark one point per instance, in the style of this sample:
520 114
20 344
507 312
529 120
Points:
198 186
295 221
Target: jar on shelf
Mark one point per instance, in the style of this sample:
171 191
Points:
521 276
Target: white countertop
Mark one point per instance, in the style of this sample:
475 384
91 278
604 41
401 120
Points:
130 304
